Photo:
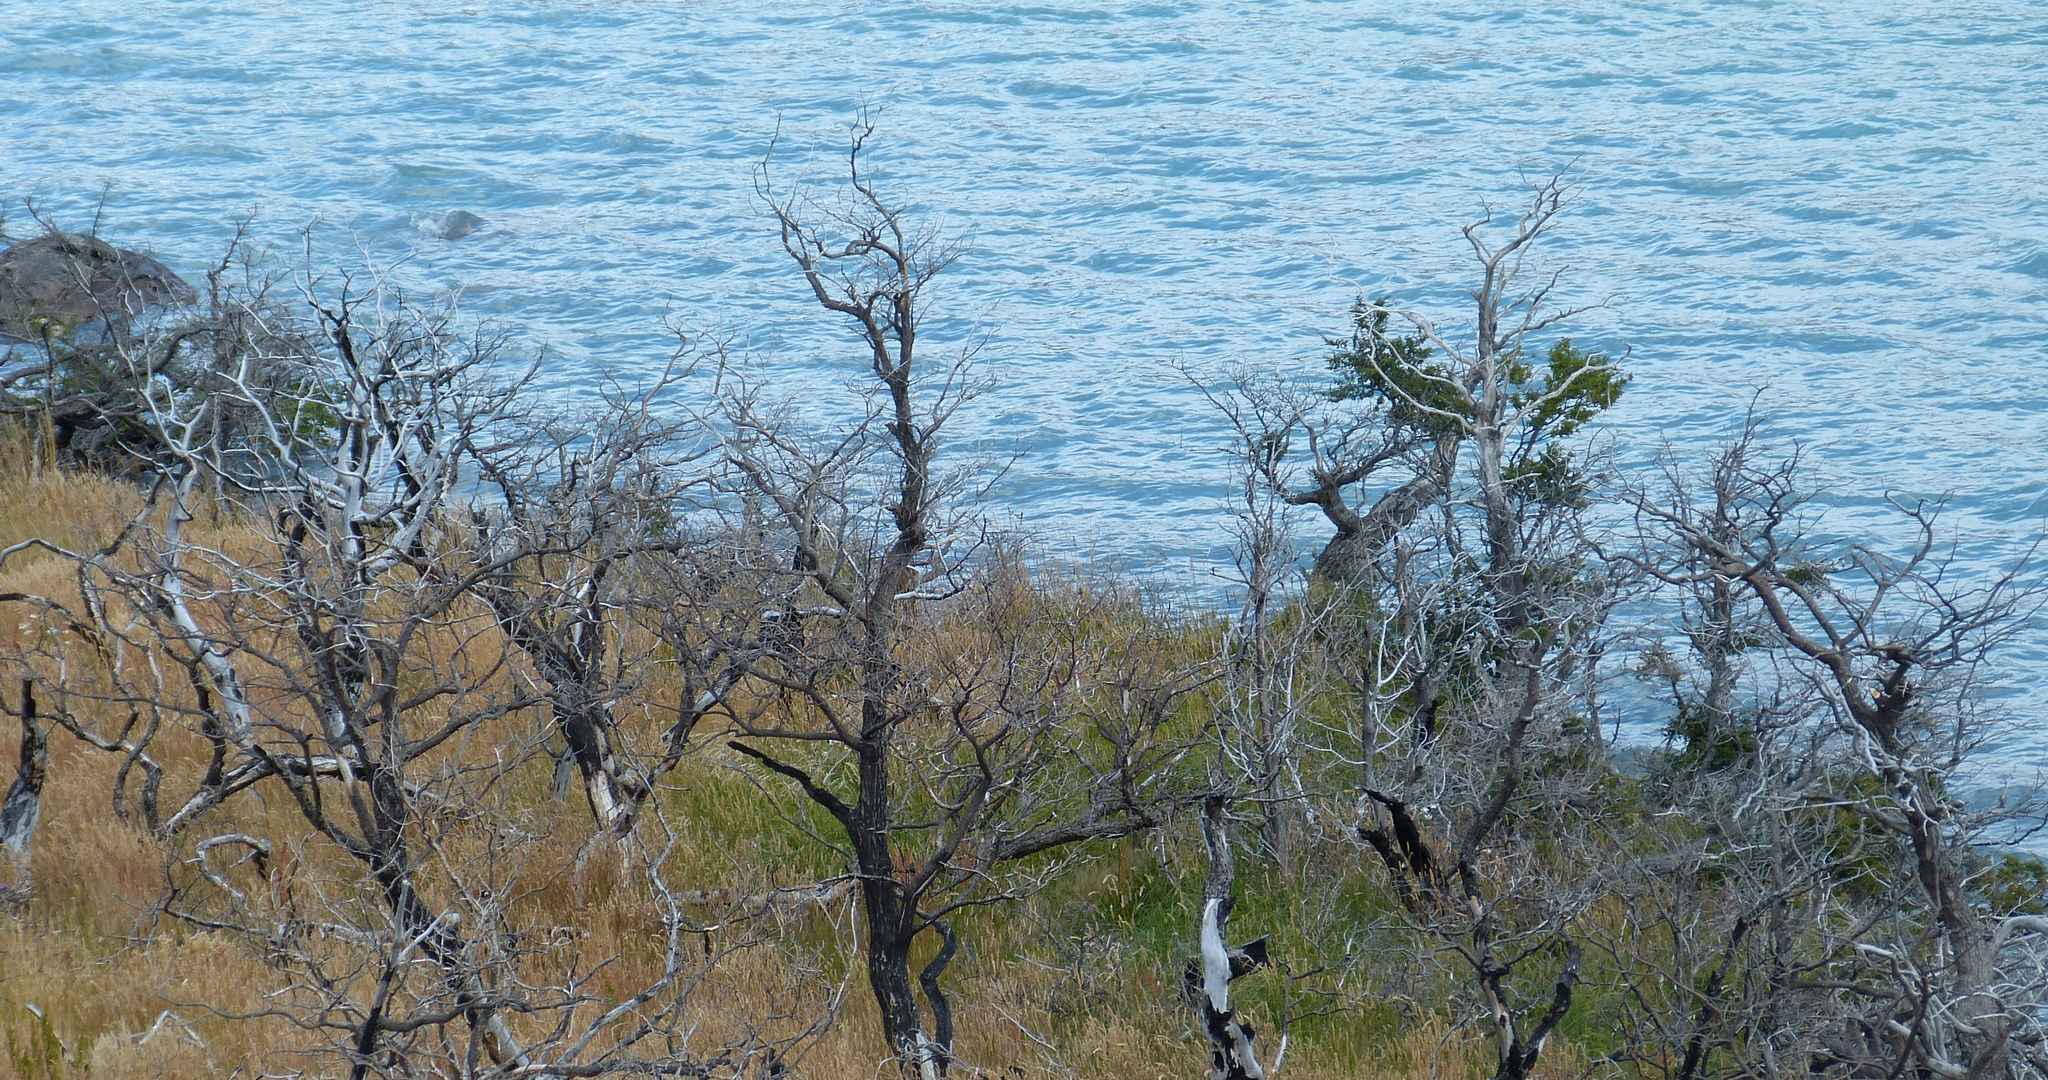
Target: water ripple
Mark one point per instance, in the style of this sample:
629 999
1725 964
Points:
1844 205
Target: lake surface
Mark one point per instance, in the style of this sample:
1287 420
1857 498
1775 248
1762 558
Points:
1846 206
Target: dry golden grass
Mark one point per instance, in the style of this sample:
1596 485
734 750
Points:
123 994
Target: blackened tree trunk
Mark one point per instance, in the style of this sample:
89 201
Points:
895 994
886 902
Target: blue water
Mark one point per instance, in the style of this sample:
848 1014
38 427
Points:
1844 206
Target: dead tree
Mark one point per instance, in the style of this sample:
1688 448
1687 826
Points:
1274 644
22 808
1233 1054
945 768
1525 577
588 505
88 332
1720 887
350 524
332 655
1890 648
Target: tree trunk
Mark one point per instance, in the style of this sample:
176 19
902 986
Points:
439 938
890 910
24 804
586 727
1232 1054
1351 557
902 1019
890 921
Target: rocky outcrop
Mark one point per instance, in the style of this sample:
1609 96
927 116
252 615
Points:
60 281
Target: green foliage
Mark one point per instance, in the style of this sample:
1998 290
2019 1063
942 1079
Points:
1576 387
1708 745
1373 365
2015 885
1554 400
1807 573
313 420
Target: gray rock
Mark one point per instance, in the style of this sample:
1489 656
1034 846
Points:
456 224
65 280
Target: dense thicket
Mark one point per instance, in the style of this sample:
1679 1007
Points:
861 781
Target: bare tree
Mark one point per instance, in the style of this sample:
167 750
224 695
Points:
947 770
336 658
89 332
1891 652
586 503
1531 590
1271 648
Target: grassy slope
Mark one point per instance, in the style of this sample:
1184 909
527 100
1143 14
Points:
1089 966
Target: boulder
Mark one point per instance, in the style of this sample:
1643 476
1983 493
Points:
453 225
64 280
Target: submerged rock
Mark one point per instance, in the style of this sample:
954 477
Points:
454 225
60 281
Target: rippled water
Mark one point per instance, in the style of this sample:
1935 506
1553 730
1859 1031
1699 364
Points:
1845 206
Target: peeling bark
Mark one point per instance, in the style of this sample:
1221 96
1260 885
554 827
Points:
1232 1052
24 804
